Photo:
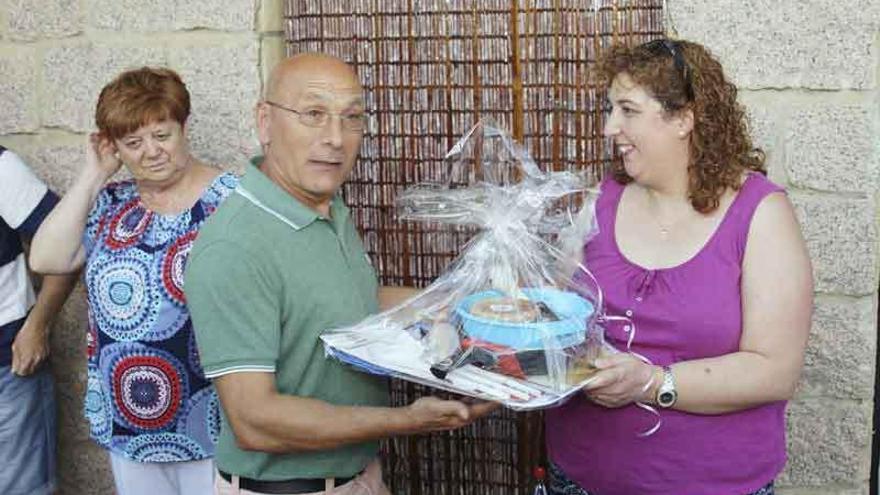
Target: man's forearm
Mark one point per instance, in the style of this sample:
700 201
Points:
264 420
31 347
54 291
299 424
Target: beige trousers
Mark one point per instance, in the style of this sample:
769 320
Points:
367 483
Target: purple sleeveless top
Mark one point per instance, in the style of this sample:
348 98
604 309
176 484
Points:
686 312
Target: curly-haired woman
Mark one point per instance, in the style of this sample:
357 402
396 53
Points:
704 254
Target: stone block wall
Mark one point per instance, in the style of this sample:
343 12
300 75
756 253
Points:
808 71
55 55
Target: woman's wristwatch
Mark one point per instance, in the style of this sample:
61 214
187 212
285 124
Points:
666 393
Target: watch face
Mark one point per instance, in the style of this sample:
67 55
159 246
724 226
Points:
666 399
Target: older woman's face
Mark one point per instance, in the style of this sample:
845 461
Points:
647 138
155 152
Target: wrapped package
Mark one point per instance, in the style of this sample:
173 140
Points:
516 317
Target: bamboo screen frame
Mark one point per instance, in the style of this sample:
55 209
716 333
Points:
430 70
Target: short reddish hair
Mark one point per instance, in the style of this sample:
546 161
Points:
139 97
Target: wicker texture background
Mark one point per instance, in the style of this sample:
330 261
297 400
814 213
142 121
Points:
431 69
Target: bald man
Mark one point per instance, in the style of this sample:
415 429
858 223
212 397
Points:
277 264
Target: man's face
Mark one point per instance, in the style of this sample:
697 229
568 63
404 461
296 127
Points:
313 126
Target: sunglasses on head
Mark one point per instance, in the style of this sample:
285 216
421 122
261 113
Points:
665 46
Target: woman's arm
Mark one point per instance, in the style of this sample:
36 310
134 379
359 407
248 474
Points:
777 300
57 246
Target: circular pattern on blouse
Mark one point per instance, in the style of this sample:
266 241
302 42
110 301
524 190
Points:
173 265
127 226
164 230
95 407
171 319
201 418
193 350
95 227
229 181
163 447
125 303
213 417
147 399
147 385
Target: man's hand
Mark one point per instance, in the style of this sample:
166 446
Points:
433 414
30 347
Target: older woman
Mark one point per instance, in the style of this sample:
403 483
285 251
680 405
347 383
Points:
147 401
705 256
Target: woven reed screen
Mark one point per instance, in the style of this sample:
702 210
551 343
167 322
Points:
431 69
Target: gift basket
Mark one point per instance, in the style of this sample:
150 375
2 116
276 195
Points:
515 318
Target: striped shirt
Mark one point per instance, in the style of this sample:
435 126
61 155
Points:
24 203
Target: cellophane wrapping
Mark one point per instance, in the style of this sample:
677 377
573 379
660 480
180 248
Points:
515 317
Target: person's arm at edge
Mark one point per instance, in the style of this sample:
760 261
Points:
31 345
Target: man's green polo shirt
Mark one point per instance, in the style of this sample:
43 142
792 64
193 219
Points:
266 276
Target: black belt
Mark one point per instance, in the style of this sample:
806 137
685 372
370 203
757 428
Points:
284 486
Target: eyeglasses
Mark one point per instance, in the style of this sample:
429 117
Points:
665 46
319 118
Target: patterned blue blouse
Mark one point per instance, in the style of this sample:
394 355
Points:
147 398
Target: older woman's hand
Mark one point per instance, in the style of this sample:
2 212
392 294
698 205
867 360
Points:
101 155
621 380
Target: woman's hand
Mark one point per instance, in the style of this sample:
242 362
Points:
57 246
621 380
101 155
